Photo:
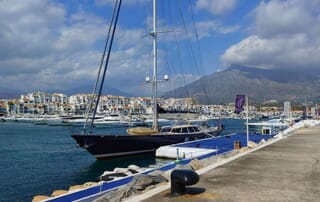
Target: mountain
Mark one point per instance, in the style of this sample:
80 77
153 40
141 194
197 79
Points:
6 93
294 84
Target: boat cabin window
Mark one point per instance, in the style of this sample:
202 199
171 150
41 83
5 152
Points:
176 130
184 130
190 129
196 129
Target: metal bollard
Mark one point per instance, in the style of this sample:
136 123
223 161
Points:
180 178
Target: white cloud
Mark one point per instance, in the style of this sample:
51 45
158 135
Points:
210 28
216 7
285 34
26 27
44 47
130 37
282 17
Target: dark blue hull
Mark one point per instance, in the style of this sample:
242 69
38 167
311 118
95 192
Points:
111 146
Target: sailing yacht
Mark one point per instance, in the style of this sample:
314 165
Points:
141 140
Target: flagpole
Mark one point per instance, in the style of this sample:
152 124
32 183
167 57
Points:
247 106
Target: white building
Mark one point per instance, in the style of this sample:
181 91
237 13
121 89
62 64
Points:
287 109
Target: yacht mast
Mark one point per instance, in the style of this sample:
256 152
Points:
154 79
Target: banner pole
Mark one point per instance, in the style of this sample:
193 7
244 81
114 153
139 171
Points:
247 106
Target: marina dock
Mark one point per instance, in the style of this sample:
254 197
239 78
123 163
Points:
284 167
286 170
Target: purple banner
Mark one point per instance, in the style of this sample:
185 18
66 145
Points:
240 100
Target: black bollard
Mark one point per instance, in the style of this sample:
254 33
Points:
181 178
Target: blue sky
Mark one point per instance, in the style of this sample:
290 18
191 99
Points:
56 45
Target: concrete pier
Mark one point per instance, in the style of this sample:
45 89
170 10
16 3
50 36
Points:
288 170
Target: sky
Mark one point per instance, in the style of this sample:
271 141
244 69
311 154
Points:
56 45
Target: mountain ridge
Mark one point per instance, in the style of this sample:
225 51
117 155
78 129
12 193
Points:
259 84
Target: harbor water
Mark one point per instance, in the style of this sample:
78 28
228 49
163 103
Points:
38 159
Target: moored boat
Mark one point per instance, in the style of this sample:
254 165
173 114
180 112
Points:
269 127
110 146
142 140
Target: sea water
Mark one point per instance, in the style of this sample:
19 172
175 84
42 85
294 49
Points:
38 159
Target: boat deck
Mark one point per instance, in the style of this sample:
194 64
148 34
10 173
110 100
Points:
208 147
